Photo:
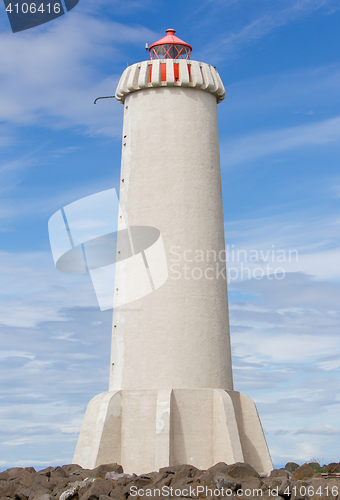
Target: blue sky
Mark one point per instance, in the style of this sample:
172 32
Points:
280 159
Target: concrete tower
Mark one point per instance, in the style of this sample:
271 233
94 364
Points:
171 397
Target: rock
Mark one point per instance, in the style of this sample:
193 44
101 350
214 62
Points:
221 480
181 471
14 472
99 487
115 475
141 481
74 488
267 496
58 473
207 478
122 485
220 467
8 488
291 466
299 490
278 484
285 486
78 474
40 480
72 482
4 476
30 469
253 483
251 487
303 472
315 465
163 478
324 488
71 468
70 492
27 478
186 477
242 471
102 470
279 473
39 491
22 493
46 472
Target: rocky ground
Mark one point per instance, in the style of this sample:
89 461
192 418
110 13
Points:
236 481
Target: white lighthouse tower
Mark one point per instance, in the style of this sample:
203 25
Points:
171 397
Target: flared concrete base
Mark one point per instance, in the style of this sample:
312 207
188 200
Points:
145 430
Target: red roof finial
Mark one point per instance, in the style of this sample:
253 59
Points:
170 47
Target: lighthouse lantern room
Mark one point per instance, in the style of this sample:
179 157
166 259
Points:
170 47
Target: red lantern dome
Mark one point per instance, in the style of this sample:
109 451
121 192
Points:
170 47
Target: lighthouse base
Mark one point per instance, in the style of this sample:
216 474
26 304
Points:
145 430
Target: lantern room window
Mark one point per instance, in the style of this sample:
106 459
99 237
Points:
170 47
170 51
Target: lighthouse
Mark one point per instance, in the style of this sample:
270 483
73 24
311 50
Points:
171 398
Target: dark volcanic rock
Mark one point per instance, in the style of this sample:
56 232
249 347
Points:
242 471
98 488
46 472
303 472
4 476
14 472
279 473
220 467
8 488
181 471
291 466
101 470
72 482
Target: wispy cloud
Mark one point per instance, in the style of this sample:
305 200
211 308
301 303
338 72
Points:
34 291
290 93
281 358
322 429
11 172
260 27
48 384
19 354
259 145
48 76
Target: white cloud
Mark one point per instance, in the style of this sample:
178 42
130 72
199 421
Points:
299 242
65 336
286 347
49 383
19 354
321 429
285 343
292 92
52 76
259 145
272 18
34 291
